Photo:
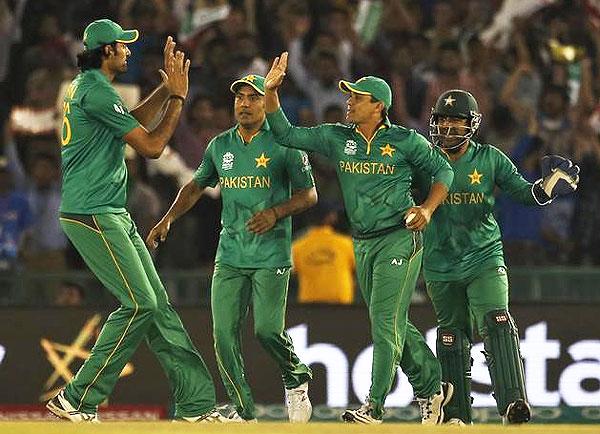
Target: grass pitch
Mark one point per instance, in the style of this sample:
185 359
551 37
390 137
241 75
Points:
281 428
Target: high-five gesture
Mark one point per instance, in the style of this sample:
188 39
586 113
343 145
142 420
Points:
176 69
169 58
275 76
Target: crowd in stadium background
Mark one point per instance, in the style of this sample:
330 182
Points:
530 63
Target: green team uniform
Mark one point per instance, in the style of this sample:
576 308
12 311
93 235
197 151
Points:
466 276
94 218
375 178
253 176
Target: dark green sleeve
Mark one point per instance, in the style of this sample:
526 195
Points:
299 170
206 175
424 157
315 139
510 180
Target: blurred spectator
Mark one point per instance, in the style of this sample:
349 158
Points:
247 57
451 73
320 80
532 65
45 248
69 294
520 223
334 114
196 128
502 129
51 50
324 262
15 219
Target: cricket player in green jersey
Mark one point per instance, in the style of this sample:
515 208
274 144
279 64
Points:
463 261
375 161
262 185
96 126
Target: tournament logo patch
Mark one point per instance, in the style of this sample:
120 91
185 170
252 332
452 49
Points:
447 339
350 148
227 161
305 162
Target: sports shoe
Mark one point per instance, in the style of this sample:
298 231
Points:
517 412
432 408
61 408
455 421
363 415
234 417
212 416
298 404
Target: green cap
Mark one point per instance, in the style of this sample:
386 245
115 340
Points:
102 32
369 85
256 81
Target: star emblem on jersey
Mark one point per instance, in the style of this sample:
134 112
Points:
262 161
227 163
475 177
449 101
387 150
62 356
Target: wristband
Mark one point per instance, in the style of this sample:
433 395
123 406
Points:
182 98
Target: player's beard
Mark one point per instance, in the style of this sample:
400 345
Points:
455 148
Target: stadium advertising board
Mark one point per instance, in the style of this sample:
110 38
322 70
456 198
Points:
41 349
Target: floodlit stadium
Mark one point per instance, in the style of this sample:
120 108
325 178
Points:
299 216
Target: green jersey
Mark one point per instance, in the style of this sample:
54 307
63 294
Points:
463 236
253 176
94 176
375 175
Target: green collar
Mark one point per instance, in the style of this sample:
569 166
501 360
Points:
264 127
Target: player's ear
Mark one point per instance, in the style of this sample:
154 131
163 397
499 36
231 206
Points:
107 50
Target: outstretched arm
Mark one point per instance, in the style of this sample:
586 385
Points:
307 139
264 220
186 198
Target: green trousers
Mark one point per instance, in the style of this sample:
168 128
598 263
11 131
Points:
387 268
114 251
232 291
463 303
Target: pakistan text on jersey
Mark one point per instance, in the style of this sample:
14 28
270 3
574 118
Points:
464 198
366 168
248 181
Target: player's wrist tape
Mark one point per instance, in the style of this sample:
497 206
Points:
538 193
173 96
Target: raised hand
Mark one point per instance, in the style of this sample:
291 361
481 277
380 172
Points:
169 58
175 74
559 177
275 76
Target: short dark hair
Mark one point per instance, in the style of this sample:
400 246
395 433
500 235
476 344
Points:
92 59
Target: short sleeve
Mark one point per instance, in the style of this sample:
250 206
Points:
103 103
206 175
299 170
